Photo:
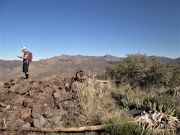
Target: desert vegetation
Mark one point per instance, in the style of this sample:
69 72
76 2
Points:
141 96
145 72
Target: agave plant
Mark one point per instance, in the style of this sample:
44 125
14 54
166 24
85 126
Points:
155 121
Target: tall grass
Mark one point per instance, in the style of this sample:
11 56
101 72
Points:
97 103
99 107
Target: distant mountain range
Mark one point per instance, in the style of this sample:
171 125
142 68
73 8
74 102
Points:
171 61
64 65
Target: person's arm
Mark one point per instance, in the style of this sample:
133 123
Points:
24 57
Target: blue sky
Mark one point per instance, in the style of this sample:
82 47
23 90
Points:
89 27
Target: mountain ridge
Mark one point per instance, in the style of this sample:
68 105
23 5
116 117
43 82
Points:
62 65
65 65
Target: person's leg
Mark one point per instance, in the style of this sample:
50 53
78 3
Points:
26 70
27 75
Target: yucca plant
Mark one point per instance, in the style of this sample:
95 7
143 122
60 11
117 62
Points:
159 118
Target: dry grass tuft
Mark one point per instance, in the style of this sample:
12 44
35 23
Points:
97 103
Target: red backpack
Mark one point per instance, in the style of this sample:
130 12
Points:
30 56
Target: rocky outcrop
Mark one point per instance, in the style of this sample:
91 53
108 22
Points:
49 103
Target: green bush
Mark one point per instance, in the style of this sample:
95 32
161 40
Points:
175 80
143 71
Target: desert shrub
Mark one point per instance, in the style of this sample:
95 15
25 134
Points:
175 80
141 70
127 97
163 99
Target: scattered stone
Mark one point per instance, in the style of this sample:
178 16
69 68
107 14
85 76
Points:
57 94
19 123
3 105
48 113
62 96
7 85
27 103
25 113
27 125
57 119
8 107
67 86
80 76
12 81
38 123
29 120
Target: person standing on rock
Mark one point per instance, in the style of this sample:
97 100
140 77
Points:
27 58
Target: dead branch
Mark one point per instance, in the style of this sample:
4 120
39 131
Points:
73 129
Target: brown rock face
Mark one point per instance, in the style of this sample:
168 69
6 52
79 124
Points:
46 103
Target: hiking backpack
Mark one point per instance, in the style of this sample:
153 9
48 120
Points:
30 56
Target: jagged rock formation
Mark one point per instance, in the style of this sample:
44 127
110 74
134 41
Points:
48 103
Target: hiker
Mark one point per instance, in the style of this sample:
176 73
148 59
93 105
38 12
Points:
26 60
